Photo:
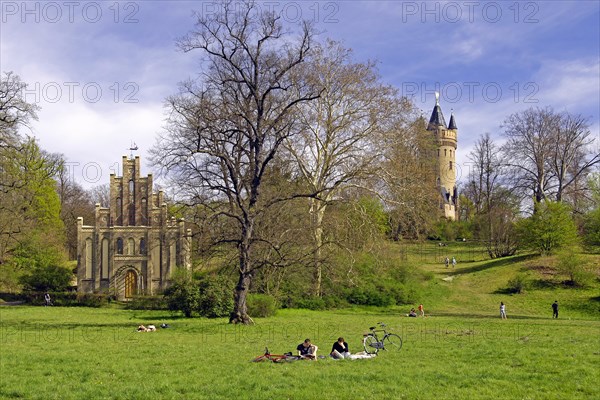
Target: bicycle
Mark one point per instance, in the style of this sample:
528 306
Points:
276 358
372 344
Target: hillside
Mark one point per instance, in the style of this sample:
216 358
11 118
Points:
477 285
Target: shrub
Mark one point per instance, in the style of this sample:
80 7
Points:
309 303
517 284
261 305
574 266
549 229
93 299
52 278
183 294
370 297
147 303
215 296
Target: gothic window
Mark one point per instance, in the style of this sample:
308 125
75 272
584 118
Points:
104 260
142 246
450 165
119 246
130 246
119 211
438 152
144 212
131 214
89 263
131 207
445 152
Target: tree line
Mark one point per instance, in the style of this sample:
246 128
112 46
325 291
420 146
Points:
289 159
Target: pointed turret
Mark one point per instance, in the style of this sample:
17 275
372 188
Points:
452 124
437 118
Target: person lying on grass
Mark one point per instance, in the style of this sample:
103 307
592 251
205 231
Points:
307 350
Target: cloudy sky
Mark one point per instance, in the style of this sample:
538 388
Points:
100 71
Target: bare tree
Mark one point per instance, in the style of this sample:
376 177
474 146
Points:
484 174
548 154
496 208
573 156
224 133
100 194
335 146
74 202
530 145
15 112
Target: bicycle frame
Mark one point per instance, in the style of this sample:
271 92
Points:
372 343
274 357
378 344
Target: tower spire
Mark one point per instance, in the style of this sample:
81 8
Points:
437 118
452 123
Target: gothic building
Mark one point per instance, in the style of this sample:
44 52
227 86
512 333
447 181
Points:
446 139
132 247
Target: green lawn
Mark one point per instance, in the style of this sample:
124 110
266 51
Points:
79 353
461 350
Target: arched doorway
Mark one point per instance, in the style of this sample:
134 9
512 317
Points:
130 284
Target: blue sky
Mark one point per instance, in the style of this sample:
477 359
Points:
101 70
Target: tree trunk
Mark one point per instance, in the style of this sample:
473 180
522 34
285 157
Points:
239 315
317 212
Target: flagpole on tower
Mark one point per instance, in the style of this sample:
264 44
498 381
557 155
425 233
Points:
132 148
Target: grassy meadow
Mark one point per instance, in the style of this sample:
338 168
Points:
460 350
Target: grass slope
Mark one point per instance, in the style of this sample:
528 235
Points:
461 351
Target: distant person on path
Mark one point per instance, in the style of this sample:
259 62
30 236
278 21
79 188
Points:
555 309
453 262
421 311
340 349
307 350
47 299
447 262
502 310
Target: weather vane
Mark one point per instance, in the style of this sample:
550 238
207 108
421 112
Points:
132 148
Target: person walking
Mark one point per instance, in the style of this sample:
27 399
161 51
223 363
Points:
453 262
447 261
502 310
421 311
47 299
555 309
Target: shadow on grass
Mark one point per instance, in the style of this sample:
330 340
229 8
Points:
482 316
38 325
591 307
506 290
545 284
491 264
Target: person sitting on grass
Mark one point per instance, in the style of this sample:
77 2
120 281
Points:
142 328
307 350
340 349
412 313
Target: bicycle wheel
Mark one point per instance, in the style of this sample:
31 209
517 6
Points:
371 344
392 342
